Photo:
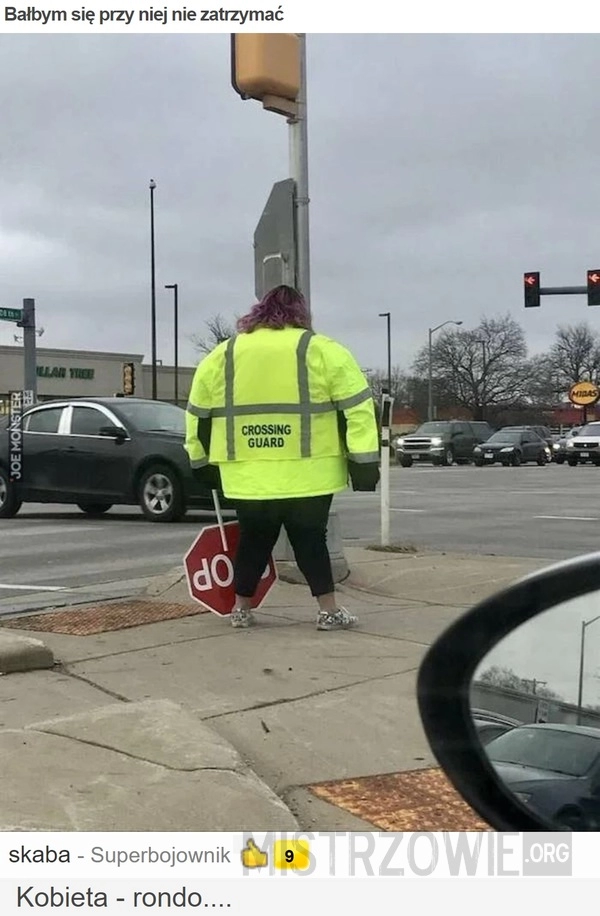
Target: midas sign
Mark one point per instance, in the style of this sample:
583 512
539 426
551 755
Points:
584 393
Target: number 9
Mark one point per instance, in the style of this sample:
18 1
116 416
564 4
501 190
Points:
289 855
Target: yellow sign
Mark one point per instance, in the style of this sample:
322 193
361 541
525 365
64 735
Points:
253 857
292 854
584 393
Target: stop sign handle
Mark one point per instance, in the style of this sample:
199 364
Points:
219 515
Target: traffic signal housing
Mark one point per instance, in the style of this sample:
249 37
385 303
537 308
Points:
593 287
266 67
128 379
531 282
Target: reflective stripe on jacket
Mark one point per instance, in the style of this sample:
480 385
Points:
273 397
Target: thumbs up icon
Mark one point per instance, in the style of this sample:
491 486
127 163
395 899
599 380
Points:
253 857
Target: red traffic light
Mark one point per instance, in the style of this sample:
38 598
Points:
593 287
531 282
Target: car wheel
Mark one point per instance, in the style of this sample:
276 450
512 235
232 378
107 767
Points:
94 508
161 494
573 462
571 819
542 459
560 459
448 459
506 464
516 460
9 502
478 462
406 461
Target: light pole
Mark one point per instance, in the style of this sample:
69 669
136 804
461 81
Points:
175 288
387 315
298 146
153 289
431 333
481 341
584 625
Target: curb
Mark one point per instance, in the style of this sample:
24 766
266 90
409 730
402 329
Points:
22 653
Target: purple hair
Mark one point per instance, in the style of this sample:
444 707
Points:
282 307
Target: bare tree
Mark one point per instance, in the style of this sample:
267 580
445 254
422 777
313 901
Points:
481 368
218 330
497 676
378 380
575 354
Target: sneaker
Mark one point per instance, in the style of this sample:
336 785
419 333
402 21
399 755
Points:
242 619
338 620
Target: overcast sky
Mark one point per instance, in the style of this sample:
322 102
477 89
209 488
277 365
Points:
441 168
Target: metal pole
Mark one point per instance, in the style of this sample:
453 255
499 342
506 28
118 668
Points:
175 288
153 289
299 172
387 316
386 412
581 661
430 398
176 340
29 347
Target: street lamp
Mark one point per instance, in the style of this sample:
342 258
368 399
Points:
431 333
584 625
480 340
175 288
389 348
153 289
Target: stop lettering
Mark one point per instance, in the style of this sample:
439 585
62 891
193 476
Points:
209 570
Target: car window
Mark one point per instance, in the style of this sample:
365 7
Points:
462 428
43 421
87 421
431 429
546 749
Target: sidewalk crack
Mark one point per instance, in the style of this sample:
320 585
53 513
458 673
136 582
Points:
306 696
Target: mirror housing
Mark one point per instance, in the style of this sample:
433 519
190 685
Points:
446 673
113 432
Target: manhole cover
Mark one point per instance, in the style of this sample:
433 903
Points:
101 618
416 800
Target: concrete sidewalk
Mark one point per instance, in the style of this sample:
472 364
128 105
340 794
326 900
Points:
189 725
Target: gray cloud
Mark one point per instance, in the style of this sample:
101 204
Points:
442 167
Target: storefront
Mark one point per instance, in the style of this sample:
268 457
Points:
75 373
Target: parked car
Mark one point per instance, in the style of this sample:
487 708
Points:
546 434
513 447
554 769
585 446
559 449
100 452
491 725
442 442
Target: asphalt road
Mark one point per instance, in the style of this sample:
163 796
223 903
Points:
551 512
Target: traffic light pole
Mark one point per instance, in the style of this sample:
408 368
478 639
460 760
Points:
299 172
29 347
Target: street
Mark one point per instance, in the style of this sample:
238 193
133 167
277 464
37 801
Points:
547 512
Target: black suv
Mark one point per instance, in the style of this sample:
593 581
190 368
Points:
442 442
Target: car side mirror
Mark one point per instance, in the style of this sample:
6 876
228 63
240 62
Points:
113 432
527 652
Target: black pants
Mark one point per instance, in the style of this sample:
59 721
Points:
305 521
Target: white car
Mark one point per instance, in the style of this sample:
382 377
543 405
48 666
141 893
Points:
585 446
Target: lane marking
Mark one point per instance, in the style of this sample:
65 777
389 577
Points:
569 518
36 588
392 509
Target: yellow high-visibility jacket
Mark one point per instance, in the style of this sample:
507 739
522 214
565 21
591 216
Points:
273 400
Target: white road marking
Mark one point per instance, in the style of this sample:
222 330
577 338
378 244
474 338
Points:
392 509
569 518
36 588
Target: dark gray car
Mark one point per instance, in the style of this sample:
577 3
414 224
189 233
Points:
442 442
100 452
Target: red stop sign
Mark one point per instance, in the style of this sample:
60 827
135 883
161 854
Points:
209 570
